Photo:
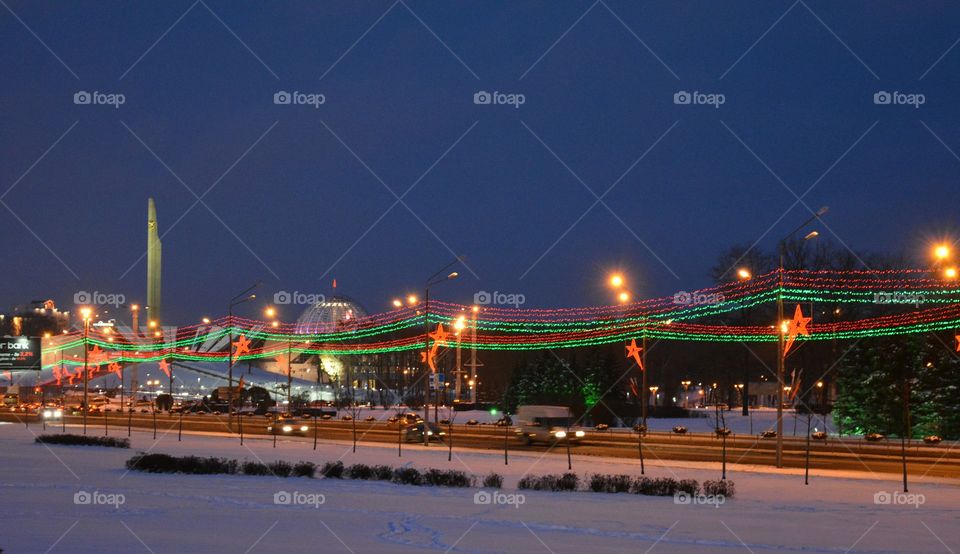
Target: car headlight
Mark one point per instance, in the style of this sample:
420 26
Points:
303 427
580 433
560 434
47 413
287 428
429 432
58 413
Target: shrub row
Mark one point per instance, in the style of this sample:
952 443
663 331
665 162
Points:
83 440
164 463
565 482
659 486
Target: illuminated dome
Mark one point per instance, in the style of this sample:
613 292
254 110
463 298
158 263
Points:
331 314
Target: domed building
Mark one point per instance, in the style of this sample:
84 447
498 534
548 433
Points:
330 314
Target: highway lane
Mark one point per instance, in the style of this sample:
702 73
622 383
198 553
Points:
849 454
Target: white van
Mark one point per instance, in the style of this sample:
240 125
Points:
547 424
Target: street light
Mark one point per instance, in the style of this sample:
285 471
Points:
781 342
623 297
941 252
244 296
434 279
950 273
85 312
397 303
744 274
616 280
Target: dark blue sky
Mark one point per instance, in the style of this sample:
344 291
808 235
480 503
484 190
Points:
488 182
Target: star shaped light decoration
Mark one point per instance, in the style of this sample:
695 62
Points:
797 326
633 351
115 367
439 336
96 356
958 342
242 347
165 367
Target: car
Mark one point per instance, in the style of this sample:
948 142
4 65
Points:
414 432
52 413
287 426
547 424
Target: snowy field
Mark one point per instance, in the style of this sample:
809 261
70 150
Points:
773 511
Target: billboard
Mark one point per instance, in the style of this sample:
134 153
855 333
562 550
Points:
19 353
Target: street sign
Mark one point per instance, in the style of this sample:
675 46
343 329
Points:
20 353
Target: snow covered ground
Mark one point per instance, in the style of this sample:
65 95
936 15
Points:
773 511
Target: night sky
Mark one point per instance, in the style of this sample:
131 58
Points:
296 195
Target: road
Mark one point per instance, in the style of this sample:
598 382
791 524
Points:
850 454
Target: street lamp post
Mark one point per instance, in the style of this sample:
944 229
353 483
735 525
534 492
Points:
434 279
85 312
244 296
780 338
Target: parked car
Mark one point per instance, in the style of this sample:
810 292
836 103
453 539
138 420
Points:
547 424
52 413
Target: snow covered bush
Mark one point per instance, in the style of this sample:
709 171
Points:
359 471
447 478
565 482
304 469
83 440
660 486
407 476
255 468
383 473
719 488
281 468
332 470
493 481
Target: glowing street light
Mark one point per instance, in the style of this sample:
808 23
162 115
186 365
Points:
397 303
624 296
950 273
412 299
941 252
744 274
616 280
